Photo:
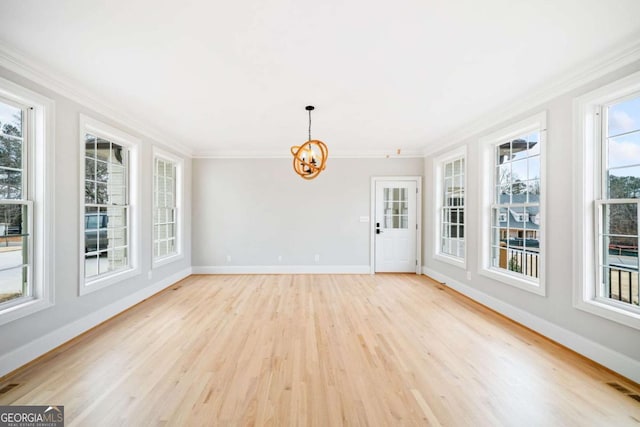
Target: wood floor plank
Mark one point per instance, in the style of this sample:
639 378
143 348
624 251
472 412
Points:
319 350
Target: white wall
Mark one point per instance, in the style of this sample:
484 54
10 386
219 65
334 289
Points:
556 308
25 338
256 210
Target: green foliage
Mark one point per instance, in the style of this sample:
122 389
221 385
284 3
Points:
624 187
10 157
623 218
514 265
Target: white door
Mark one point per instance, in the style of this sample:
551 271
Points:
395 226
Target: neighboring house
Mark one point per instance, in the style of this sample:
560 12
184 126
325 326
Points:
516 226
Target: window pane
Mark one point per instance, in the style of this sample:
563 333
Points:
448 169
621 284
13 282
103 149
534 168
90 192
89 169
160 167
457 170
91 265
620 219
90 145
95 233
12 223
117 195
624 117
534 144
117 259
101 193
10 120
503 153
13 252
533 190
117 216
504 175
102 171
10 151
519 149
117 175
117 237
118 155
10 184
459 184
624 150
624 183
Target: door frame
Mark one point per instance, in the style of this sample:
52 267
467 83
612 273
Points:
372 222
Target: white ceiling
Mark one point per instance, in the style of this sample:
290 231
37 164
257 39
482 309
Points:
234 77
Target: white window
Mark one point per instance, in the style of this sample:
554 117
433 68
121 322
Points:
26 184
167 185
450 180
108 224
512 249
608 139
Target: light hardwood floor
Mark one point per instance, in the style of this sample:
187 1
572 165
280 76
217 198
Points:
323 350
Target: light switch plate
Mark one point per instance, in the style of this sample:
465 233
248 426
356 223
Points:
364 219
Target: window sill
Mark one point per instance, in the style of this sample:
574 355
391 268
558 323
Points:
26 308
526 285
100 282
610 311
159 262
449 259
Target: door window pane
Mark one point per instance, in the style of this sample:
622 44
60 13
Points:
396 208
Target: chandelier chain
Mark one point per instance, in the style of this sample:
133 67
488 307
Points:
309 125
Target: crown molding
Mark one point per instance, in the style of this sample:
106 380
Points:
589 71
283 154
29 68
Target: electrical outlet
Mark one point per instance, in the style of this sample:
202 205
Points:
228 258
279 258
317 258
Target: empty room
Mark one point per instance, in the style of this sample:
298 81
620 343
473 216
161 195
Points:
319 213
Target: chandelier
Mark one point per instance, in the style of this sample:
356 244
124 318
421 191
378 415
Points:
310 158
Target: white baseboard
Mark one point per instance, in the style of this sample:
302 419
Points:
617 362
28 352
282 269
